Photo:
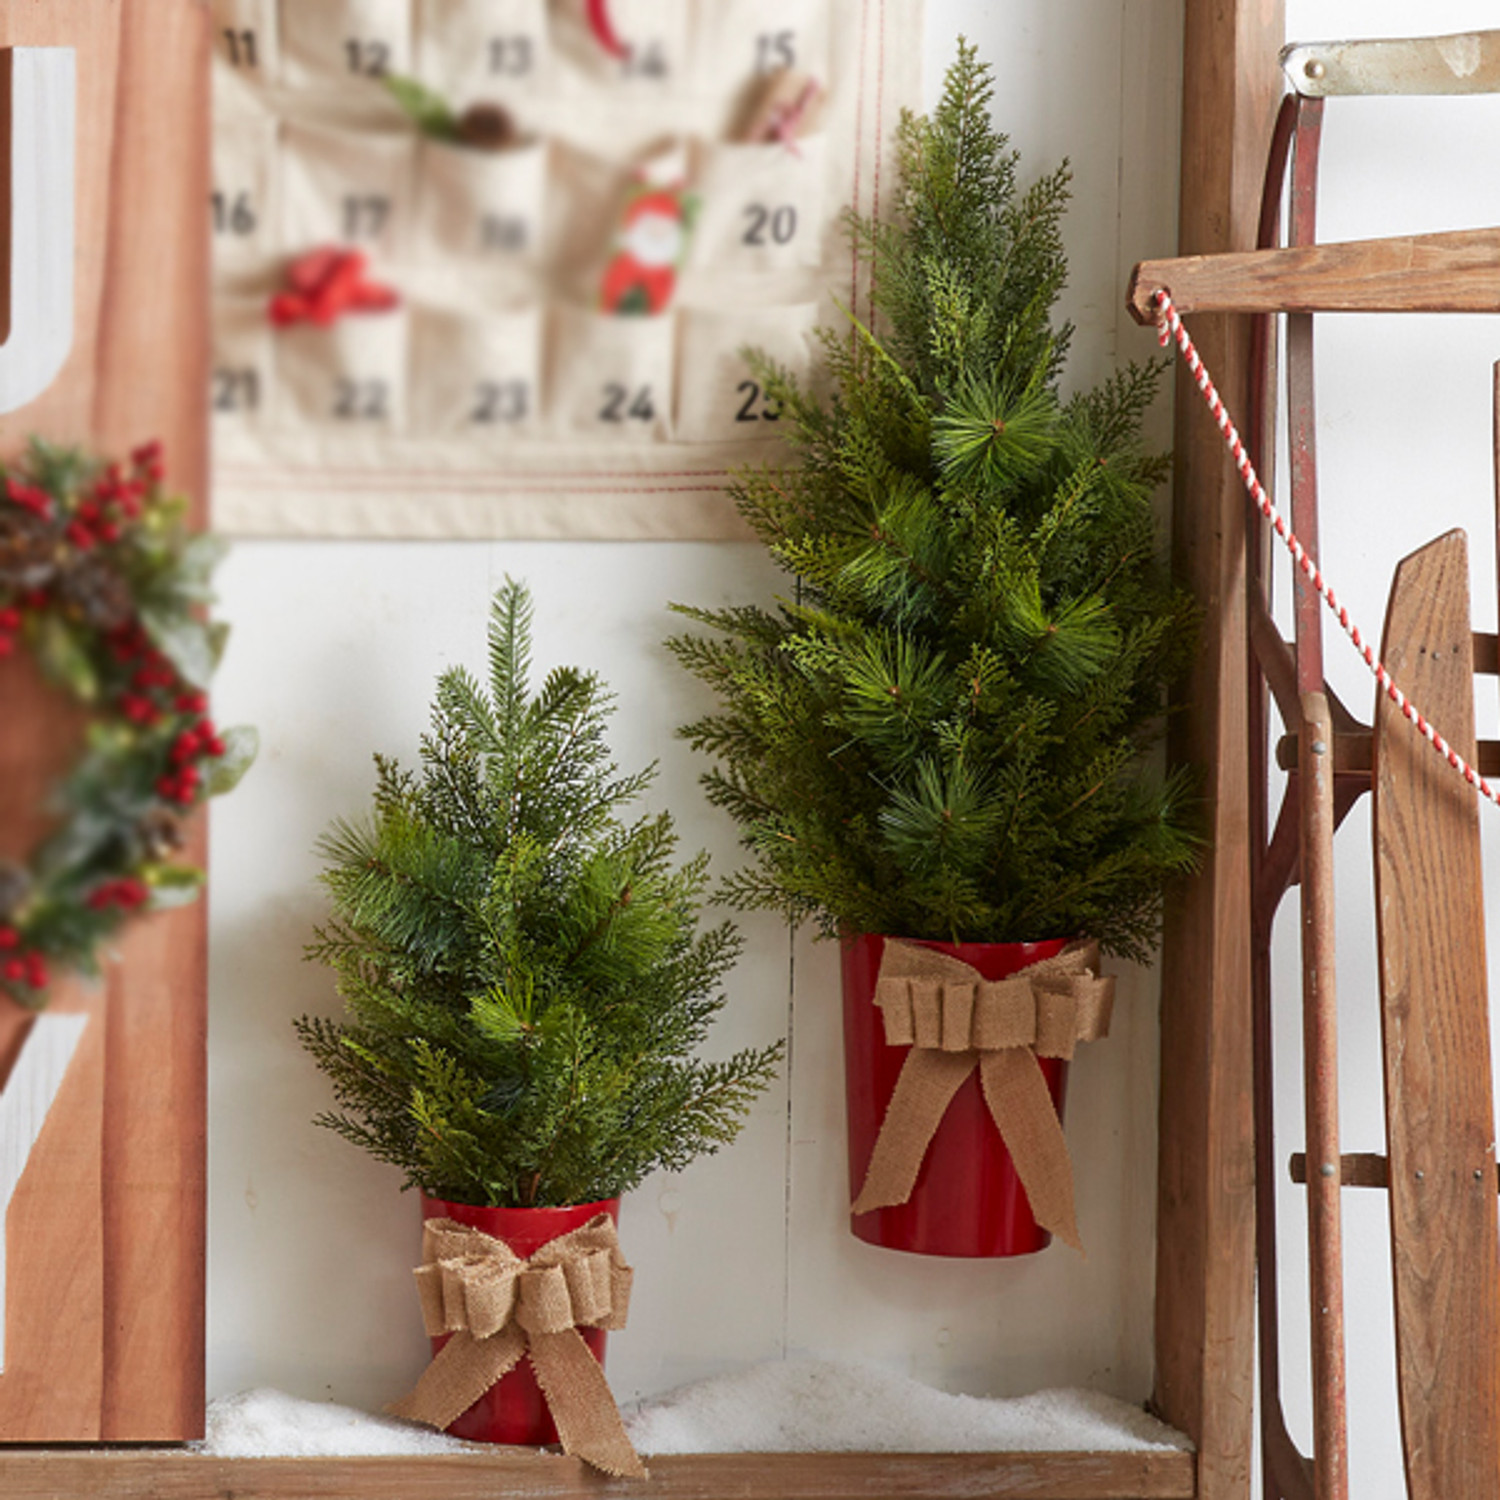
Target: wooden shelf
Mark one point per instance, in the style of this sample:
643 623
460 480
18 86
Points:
175 1474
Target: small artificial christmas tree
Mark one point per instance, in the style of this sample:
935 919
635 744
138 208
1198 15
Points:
942 736
522 971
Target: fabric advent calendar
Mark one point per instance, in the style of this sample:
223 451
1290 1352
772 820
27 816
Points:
544 338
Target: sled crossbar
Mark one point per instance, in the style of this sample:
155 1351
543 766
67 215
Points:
1458 271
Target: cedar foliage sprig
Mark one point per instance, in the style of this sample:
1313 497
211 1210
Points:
522 973
942 735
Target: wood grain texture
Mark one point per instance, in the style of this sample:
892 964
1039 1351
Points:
113 1198
1435 1028
1454 272
1205 1338
529 1476
1320 1067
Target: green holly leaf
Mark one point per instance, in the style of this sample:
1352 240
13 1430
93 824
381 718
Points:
173 885
241 746
187 643
429 111
65 658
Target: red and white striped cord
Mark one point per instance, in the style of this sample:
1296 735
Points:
1169 329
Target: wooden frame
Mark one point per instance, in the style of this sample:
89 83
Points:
105 1273
528 1476
1204 1338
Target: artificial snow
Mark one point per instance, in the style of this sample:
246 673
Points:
808 1406
794 1406
270 1424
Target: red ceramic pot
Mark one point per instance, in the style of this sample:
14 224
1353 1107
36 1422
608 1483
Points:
968 1200
514 1409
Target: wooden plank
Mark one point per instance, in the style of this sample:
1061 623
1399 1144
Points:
1320 1068
1435 1025
1358 1169
1458 271
1354 753
112 1203
529 1476
1205 1334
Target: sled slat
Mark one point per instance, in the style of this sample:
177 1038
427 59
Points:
1435 1025
1456 271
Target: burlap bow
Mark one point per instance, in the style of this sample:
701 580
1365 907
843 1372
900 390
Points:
954 1020
498 1307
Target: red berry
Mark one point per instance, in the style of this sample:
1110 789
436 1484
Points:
147 453
10 619
10 939
287 308
109 532
14 970
192 703
215 748
36 971
7 646
80 536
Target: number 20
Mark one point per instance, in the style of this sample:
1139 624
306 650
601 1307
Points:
780 224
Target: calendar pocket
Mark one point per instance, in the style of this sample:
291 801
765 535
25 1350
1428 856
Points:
243 364
737 42
652 37
611 377
475 377
350 377
344 41
482 205
242 204
245 47
761 206
470 50
719 397
347 187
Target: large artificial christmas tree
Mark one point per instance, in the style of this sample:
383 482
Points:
943 733
523 975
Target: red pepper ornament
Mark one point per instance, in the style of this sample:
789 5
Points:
604 30
325 284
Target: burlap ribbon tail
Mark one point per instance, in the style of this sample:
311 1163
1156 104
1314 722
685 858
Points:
498 1307
954 1020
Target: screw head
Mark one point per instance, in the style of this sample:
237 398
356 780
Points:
1421 1175
1319 748
1314 69
1328 1169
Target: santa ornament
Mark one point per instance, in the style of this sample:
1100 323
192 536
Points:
651 242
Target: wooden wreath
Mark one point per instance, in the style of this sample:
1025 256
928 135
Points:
102 581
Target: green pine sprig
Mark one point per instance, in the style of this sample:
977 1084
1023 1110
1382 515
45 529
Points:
945 732
524 981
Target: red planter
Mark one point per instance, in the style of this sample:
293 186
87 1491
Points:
968 1200
514 1410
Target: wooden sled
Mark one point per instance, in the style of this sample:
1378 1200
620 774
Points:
1440 1168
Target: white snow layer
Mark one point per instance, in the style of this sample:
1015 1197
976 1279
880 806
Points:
270 1424
811 1406
796 1406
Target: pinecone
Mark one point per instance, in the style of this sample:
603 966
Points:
487 127
28 550
93 588
159 834
15 886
